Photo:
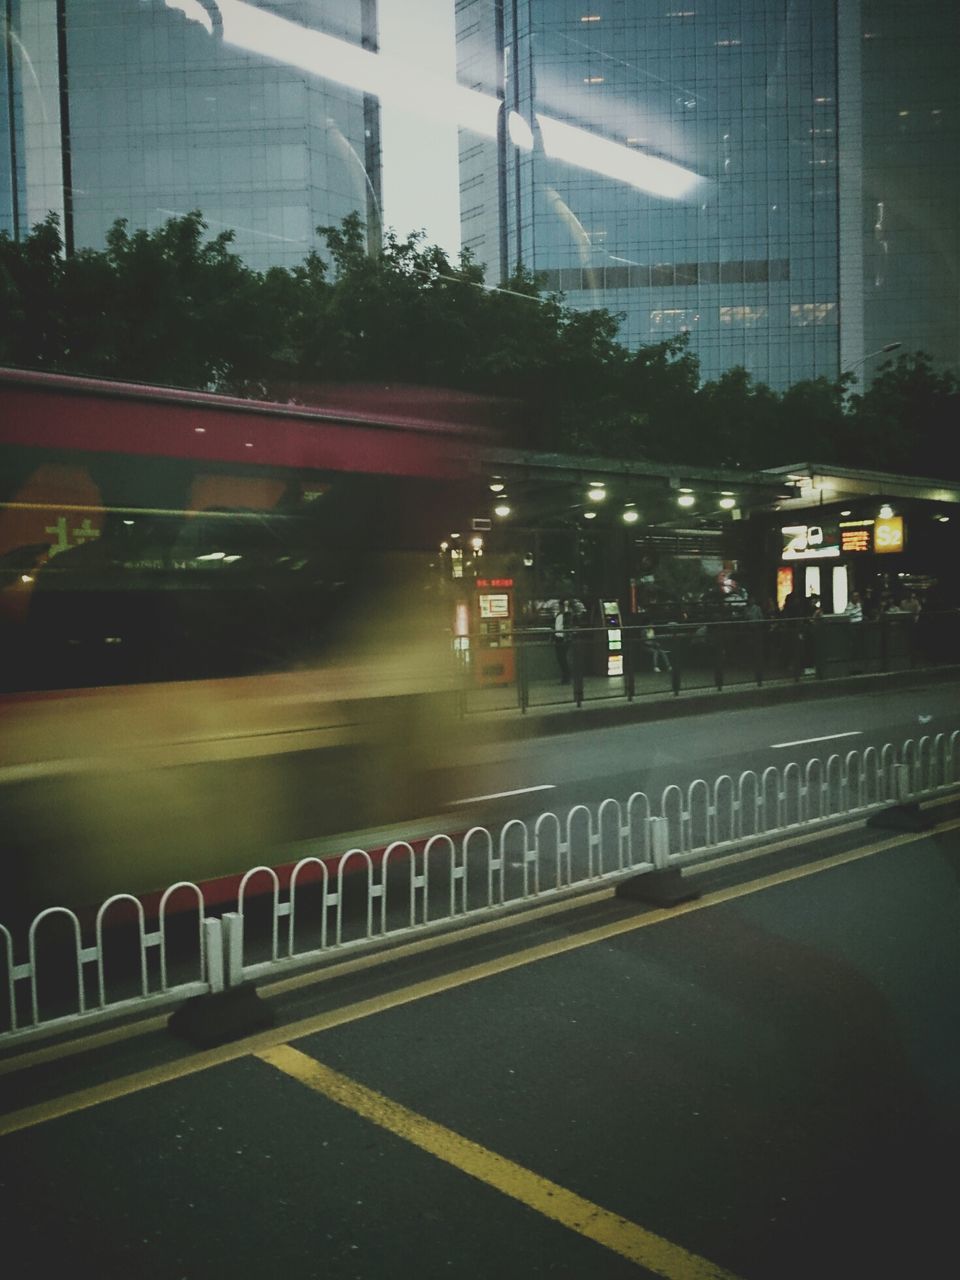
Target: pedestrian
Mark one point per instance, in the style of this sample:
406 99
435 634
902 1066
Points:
562 623
793 606
661 659
854 610
753 612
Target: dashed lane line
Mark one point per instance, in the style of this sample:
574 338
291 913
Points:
827 737
547 1198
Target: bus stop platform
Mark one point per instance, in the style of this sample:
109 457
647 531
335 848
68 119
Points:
761 1083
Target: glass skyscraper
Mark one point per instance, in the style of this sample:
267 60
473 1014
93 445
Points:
775 178
143 110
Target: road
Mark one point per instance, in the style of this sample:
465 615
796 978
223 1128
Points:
276 805
522 778
761 1085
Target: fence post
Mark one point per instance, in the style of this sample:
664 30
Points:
233 947
576 662
664 886
660 842
213 953
905 814
520 665
231 1009
629 669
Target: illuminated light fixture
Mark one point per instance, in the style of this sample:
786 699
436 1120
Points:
477 544
846 513
200 430
590 17
728 503
589 515
231 559
444 546
213 555
128 522
885 512
593 79
26 577
248 444
497 487
454 535
943 519
630 516
266 35
596 493
686 500
501 510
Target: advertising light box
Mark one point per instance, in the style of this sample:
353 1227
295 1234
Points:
888 535
810 541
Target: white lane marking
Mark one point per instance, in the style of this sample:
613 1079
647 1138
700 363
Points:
827 737
499 795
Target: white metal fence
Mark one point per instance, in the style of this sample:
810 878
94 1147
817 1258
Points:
366 901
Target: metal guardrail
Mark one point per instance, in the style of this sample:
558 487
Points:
687 656
449 881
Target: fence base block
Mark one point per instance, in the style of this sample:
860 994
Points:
666 888
209 1020
902 817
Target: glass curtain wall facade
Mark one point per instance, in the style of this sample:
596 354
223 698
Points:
775 178
145 110
908 215
741 93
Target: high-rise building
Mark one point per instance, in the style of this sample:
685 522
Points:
820 223
775 178
143 109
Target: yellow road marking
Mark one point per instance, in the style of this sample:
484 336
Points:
312 977
376 959
540 1194
135 1083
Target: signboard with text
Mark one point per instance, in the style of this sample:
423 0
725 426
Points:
888 534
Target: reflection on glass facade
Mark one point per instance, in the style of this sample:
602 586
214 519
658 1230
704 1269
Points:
145 109
778 181
739 92
909 212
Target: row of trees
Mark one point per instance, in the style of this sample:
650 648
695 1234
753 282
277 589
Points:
174 306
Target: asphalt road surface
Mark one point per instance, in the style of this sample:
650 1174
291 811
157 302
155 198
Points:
761 1085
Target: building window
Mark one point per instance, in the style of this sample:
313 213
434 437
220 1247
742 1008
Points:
803 314
744 317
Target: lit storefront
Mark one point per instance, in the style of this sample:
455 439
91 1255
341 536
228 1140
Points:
884 537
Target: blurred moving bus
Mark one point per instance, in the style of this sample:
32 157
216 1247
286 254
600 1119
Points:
220 628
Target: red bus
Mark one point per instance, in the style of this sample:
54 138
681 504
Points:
221 626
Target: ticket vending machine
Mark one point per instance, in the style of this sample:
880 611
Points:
493 659
610 638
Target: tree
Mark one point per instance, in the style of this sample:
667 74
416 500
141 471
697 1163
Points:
32 320
908 420
171 305
153 306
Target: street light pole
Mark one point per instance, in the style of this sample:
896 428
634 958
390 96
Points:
880 351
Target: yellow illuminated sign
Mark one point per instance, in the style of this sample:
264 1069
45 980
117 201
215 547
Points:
888 534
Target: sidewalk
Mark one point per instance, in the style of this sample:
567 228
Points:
654 700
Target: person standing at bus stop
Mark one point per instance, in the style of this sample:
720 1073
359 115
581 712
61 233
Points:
562 623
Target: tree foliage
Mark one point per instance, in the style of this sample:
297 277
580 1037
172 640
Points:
171 305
